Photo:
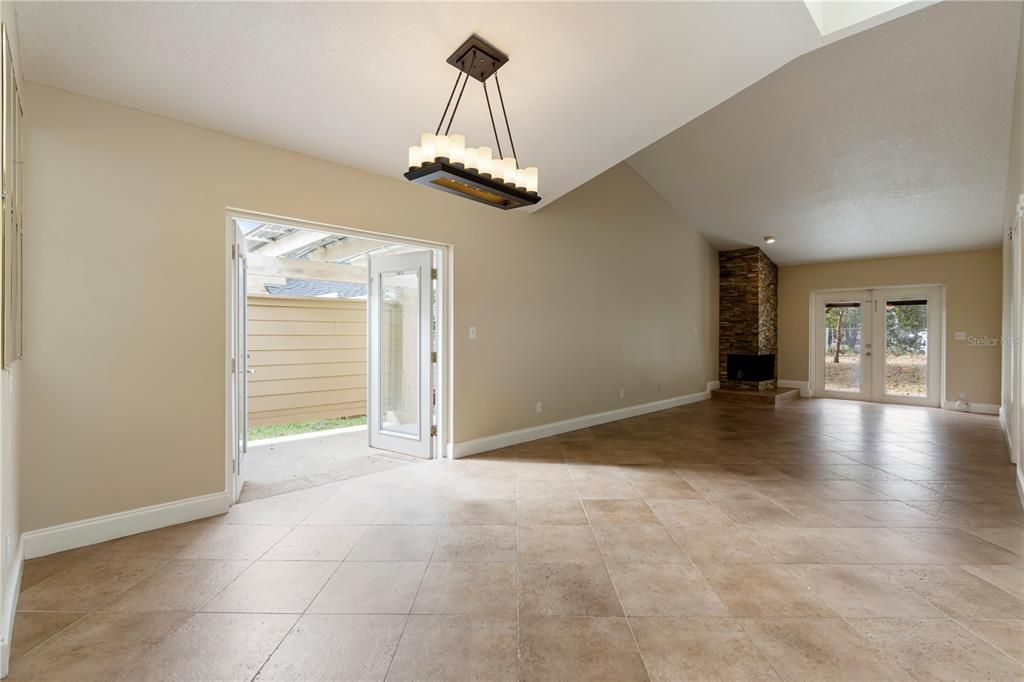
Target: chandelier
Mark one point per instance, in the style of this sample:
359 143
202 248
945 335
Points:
444 162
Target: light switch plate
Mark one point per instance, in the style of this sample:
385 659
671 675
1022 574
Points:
472 332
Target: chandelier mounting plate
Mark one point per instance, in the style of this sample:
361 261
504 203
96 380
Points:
478 58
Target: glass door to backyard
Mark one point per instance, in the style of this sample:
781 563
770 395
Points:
881 345
844 345
401 352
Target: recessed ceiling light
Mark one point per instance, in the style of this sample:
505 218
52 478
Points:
769 240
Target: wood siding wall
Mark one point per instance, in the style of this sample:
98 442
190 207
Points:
309 357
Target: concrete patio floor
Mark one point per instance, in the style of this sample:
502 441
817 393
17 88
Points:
280 466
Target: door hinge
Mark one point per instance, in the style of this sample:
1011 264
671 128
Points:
433 431
234 251
433 356
433 273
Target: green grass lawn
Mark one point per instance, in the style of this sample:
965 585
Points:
275 430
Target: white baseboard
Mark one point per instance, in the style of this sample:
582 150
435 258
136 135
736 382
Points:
1020 485
10 607
805 387
503 440
1004 425
977 408
66 536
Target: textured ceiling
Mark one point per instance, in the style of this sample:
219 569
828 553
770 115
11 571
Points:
891 141
588 84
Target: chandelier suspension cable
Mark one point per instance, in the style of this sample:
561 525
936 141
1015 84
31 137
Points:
505 114
441 122
459 100
497 140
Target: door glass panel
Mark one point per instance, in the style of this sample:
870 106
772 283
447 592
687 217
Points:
844 326
906 348
399 353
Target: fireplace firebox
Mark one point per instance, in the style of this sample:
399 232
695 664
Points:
750 367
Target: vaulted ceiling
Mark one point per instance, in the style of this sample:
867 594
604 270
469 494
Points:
588 86
895 140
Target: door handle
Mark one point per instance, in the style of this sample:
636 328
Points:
250 371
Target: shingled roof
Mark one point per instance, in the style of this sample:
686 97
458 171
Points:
317 287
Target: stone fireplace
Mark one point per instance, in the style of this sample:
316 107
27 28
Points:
748 320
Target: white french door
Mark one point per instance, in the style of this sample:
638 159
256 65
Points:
401 303
883 345
843 345
239 362
908 333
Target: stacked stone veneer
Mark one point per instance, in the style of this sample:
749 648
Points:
748 310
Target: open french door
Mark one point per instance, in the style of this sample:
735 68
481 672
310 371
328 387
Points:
239 362
881 344
401 304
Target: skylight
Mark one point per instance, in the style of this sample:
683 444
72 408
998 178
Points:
832 16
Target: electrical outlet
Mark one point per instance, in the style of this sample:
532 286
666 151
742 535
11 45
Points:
622 393
540 407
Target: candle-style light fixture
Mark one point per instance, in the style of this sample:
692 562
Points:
443 161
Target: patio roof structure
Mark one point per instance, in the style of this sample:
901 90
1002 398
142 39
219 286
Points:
293 261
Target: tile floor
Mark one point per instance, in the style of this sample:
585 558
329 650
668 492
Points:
821 540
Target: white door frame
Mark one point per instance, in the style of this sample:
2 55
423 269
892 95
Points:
1011 413
443 445
936 337
238 363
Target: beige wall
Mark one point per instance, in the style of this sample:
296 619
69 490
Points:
307 357
973 282
124 375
